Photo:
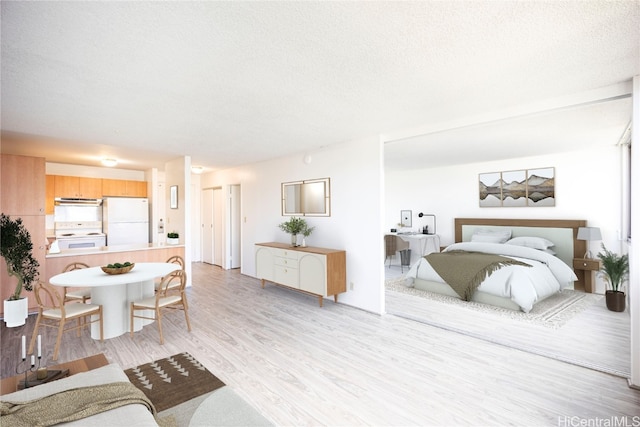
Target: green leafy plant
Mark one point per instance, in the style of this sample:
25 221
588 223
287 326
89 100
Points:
173 235
294 225
16 249
306 231
615 268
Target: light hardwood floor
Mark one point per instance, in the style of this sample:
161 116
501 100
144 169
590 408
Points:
300 364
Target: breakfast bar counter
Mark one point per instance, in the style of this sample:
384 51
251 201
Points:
55 263
112 249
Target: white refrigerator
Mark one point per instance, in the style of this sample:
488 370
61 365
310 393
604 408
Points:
125 220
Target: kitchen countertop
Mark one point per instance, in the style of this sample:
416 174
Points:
111 249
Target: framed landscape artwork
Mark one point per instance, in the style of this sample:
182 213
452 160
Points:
520 188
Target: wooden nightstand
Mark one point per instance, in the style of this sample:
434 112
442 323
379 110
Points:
589 266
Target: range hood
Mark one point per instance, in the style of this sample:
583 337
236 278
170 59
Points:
68 201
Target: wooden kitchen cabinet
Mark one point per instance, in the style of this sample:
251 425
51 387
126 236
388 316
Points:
23 185
124 188
23 196
50 194
77 187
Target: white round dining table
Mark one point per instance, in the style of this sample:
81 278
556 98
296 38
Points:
116 292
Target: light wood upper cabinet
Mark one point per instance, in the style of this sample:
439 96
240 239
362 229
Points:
137 188
74 186
50 194
91 188
23 185
124 188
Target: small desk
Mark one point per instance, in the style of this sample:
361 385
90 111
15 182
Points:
116 292
9 385
421 244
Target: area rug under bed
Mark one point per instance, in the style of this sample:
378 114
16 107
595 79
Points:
552 312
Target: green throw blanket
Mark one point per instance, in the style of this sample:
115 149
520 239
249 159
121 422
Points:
464 271
72 405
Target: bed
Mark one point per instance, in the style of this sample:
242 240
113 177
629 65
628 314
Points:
542 253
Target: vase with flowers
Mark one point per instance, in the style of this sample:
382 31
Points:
294 226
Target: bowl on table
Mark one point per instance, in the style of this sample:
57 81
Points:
118 270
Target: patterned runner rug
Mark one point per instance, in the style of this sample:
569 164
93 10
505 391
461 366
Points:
174 380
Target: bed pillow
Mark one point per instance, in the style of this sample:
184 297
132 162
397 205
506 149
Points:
491 236
531 242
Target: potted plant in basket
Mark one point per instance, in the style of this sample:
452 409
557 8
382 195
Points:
615 269
294 227
173 238
16 249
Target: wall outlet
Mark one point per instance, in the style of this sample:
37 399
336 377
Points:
351 286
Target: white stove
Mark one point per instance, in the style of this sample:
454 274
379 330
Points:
86 234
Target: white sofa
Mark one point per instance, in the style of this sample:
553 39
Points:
135 415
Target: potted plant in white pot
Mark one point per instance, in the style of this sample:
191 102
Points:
615 269
16 249
173 238
294 227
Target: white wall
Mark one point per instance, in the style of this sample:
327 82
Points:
588 186
178 172
356 196
93 171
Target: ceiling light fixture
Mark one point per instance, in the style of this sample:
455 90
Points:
109 162
196 169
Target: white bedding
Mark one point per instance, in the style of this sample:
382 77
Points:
523 285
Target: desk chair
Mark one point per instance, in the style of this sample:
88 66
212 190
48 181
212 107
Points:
393 244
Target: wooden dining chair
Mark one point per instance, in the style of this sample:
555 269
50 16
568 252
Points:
82 294
176 259
57 314
171 295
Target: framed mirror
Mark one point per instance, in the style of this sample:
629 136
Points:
173 197
307 198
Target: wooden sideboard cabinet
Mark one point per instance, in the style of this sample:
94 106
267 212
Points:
316 271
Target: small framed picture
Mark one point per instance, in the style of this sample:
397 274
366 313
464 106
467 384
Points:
405 218
173 197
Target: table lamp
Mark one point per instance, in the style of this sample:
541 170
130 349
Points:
588 234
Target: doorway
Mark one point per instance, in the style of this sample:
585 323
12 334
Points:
221 226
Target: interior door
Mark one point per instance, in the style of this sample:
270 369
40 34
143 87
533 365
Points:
218 210
234 226
207 226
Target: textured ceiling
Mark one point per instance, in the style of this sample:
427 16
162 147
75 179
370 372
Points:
230 83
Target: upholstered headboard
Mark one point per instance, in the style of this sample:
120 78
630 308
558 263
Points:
562 232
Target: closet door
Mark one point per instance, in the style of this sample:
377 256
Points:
207 226
218 211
